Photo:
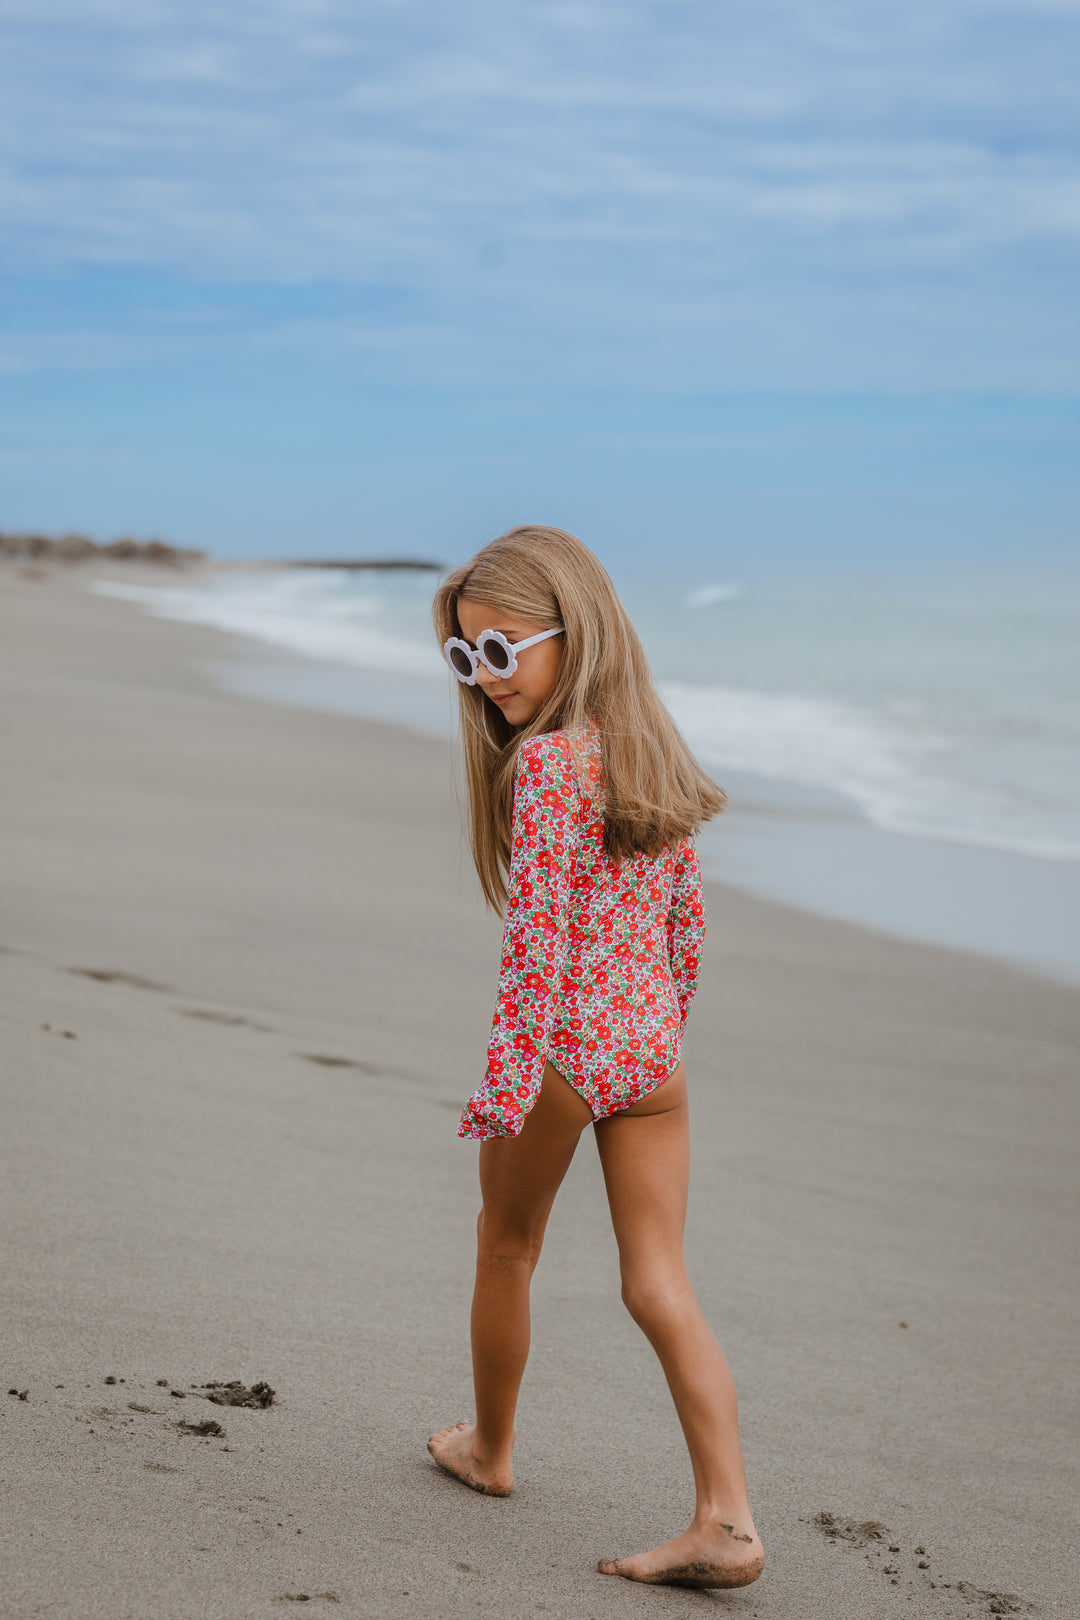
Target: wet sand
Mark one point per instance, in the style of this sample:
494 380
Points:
245 986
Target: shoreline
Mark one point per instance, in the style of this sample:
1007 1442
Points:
810 848
246 987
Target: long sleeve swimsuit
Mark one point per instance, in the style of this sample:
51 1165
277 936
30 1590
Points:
599 957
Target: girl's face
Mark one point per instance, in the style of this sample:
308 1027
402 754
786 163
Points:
521 694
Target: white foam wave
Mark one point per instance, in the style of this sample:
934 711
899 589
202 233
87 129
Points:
319 615
903 773
893 767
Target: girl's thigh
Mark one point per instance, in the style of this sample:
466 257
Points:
645 1155
520 1175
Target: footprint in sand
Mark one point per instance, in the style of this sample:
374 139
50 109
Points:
234 1020
134 981
326 1061
209 1428
915 1570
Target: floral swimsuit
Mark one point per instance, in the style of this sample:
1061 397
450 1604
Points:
599 957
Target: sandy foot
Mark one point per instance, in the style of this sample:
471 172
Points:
710 1556
453 1449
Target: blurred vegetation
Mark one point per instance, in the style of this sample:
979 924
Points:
77 548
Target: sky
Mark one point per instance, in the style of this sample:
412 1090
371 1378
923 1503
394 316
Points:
758 279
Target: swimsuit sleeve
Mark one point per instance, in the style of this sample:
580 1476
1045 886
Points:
686 925
545 833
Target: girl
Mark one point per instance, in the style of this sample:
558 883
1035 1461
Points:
583 798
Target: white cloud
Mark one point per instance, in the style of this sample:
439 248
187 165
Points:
603 158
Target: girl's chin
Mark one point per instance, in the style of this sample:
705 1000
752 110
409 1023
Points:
517 710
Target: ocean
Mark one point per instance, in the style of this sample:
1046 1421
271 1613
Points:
900 750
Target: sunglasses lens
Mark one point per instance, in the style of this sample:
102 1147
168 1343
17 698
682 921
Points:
460 662
496 656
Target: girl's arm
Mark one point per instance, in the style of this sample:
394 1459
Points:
546 820
686 925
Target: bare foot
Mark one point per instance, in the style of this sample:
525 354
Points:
713 1554
455 1450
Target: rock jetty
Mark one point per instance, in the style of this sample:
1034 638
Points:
76 548
370 562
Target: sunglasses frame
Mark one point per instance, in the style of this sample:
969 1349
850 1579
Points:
476 656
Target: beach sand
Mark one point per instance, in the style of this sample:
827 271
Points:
246 986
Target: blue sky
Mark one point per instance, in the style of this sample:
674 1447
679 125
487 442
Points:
751 278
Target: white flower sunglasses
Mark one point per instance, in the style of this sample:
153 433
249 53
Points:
492 650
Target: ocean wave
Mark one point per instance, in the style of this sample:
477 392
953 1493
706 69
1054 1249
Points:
319 615
894 768
905 772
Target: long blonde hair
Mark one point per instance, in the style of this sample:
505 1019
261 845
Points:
655 793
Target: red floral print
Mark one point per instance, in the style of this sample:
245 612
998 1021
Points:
599 957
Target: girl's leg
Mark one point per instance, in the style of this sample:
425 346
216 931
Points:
645 1156
519 1177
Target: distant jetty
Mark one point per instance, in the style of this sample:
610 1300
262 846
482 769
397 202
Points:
76 548
355 563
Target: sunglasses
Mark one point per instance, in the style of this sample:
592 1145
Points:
492 650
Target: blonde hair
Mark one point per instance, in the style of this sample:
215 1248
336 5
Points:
655 793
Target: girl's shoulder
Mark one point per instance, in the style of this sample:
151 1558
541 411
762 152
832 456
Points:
570 756
549 752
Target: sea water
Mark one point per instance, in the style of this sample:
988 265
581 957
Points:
901 749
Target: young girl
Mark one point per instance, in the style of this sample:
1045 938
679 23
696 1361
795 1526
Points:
583 799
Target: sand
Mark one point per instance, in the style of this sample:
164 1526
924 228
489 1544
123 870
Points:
245 985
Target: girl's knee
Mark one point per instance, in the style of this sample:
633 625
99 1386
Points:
504 1249
654 1299
506 1262
513 1258
637 1302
